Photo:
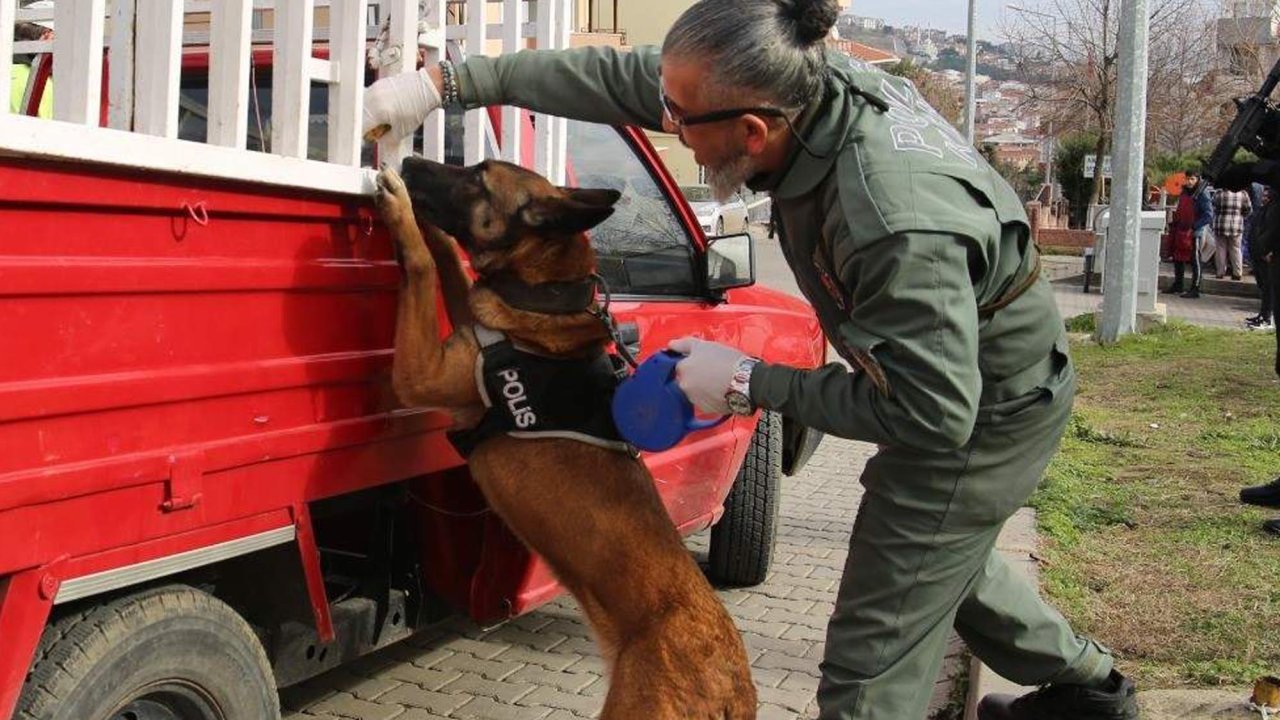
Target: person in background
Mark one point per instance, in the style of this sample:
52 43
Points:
1230 208
1200 216
1267 236
1182 242
1255 199
1262 223
20 71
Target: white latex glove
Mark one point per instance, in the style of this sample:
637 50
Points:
704 374
398 104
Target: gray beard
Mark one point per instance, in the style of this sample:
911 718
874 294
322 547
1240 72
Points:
726 179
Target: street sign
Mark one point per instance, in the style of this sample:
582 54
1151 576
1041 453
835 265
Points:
1091 164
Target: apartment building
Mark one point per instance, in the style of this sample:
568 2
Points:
1248 36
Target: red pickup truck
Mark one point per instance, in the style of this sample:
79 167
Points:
207 490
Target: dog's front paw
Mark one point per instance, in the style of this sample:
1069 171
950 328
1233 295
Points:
392 196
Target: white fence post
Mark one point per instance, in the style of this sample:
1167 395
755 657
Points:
436 49
403 34
8 14
231 26
291 77
347 20
158 43
558 172
124 20
77 48
543 129
145 47
512 41
476 122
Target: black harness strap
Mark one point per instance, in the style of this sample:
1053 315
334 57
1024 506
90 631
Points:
530 395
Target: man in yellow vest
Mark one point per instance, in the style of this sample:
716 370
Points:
20 72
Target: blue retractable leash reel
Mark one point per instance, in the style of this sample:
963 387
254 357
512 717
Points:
649 408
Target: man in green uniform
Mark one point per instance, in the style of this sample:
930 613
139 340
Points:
918 261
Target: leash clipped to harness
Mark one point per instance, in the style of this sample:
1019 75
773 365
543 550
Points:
601 312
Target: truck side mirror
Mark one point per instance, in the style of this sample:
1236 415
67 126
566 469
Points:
731 262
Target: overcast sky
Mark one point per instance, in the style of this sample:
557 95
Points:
950 15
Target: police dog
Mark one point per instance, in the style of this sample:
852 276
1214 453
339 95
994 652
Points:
593 513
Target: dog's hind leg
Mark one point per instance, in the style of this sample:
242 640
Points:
595 516
425 370
660 676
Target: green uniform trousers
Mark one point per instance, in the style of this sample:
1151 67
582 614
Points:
922 560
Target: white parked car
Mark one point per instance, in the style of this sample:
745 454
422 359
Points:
716 218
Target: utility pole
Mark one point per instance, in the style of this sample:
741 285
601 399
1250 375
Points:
971 87
1120 301
1049 165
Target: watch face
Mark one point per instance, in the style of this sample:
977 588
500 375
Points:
739 403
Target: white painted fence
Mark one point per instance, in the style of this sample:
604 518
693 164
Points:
143 42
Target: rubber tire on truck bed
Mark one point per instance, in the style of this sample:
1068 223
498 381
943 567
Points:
171 645
742 542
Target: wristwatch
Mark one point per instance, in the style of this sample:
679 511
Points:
739 395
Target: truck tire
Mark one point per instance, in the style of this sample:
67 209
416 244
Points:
166 653
742 542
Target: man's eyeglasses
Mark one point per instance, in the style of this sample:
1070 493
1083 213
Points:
676 116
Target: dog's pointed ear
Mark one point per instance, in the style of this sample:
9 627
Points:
575 210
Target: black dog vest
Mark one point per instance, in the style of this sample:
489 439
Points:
528 395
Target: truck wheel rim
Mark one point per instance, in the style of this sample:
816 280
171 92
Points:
170 700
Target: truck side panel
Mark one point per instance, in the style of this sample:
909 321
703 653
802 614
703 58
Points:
183 361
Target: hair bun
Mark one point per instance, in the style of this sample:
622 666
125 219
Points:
813 18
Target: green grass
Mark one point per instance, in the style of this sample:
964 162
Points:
1145 544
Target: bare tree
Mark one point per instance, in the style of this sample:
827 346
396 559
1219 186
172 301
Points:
1189 94
1067 52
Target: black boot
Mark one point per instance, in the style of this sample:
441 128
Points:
1117 699
1272 526
1264 495
1191 294
1173 289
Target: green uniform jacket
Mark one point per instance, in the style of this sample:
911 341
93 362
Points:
897 235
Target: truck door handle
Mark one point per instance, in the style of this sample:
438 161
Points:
629 336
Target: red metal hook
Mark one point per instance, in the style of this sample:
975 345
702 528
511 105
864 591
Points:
198 212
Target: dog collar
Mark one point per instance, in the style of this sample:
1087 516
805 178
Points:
554 298
561 298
